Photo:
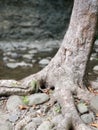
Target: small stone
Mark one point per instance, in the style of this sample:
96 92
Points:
30 126
44 62
96 43
87 118
13 118
46 125
95 68
37 98
4 125
96 49
15 65
13 103
94 103
14 55
32 51
82 108
28 56
37 120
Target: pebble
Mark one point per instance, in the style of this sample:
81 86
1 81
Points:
88 118
82 108
37 98
44 62
28 56
32 51
14 55
15 65
13 103
37 120
94 103
95 68
4 125
13 118
30 126
96 43
46 125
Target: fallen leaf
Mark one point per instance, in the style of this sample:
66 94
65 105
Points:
91 89
96 93
94 124
22 107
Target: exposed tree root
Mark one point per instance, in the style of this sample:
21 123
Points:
64 91
70 113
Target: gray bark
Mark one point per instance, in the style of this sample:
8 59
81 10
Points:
67 70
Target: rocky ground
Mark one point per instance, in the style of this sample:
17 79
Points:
40 111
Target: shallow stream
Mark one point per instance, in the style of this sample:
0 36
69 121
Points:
22 58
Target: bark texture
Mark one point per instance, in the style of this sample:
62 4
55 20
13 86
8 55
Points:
67 70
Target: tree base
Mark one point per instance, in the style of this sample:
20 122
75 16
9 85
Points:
64 94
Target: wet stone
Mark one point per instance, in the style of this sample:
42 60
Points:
96 43
82 108
44 62
95 68
15 65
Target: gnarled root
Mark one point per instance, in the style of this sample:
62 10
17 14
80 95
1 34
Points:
72 120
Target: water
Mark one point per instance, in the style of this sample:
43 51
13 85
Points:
17 52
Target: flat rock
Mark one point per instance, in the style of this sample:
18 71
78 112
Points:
94 103
88 118
82 108
13 103
37 98
46 125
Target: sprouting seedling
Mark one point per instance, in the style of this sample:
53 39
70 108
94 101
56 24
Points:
58 108
35 85
25 100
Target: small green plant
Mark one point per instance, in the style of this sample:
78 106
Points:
35 85
58 109
25 100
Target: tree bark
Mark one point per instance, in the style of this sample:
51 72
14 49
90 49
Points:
67 71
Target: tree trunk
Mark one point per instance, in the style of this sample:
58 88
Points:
67 71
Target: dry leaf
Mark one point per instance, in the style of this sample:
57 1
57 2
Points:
94 124
91 89
96 93
22 107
